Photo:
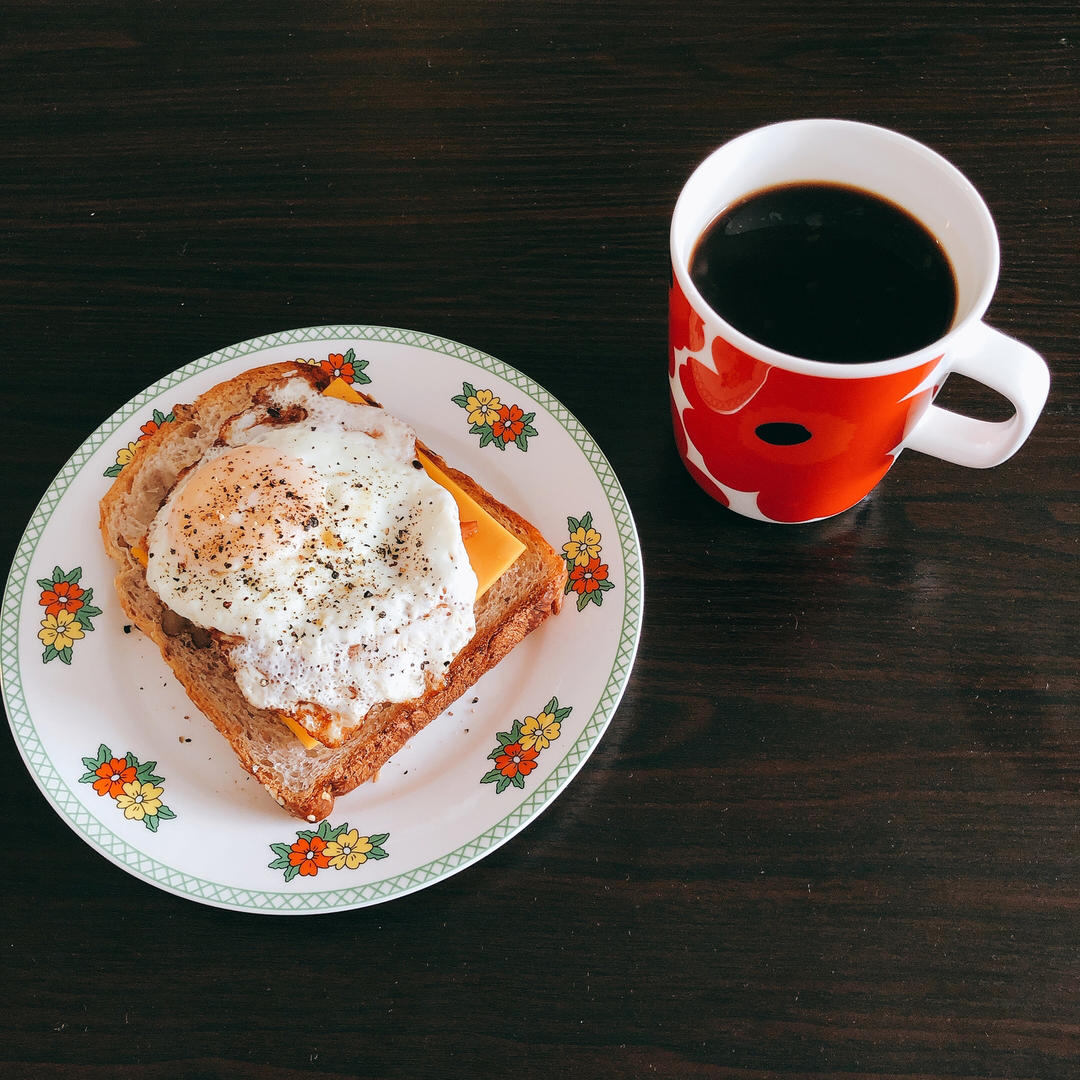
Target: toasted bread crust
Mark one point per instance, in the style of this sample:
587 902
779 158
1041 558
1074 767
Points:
304 782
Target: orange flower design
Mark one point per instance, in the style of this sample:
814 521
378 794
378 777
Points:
586 579
131 784
307 855
339 367
497 424
126 454
112 776
515 756
515 759
335 846
510 424
69 615
588 576
63 596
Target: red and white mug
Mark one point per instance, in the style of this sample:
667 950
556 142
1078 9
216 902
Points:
729 391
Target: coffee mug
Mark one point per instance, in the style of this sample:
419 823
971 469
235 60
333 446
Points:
779 437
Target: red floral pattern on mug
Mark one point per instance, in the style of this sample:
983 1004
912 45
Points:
809 447
686 328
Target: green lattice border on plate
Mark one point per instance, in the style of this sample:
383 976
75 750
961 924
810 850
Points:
64 800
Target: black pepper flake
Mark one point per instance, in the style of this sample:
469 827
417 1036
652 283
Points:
417 464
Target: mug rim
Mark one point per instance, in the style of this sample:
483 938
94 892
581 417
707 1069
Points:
824 368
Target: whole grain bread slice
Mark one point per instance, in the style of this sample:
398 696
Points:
304 781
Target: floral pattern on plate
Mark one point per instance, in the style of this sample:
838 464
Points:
342 366
588 576
329 847
131 784
126 454
497 423
68 613
515 756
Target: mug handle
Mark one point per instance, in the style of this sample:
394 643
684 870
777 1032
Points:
1014 371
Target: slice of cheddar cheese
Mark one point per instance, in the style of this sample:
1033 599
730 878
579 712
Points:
305 739
491 549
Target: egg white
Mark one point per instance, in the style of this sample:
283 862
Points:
368 602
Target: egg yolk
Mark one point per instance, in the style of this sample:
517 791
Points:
250 500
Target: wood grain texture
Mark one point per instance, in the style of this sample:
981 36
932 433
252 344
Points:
834 829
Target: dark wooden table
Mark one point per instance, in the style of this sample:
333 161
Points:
834 828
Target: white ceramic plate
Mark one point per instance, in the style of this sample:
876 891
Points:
133 768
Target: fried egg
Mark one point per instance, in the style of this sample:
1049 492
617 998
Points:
311 538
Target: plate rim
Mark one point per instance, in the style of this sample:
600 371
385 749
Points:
231 897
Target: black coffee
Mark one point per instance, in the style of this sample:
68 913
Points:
826 272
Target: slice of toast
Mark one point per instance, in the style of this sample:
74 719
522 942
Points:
303 781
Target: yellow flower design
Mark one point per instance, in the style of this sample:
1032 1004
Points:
310 360
140 800
60 630
348 851
126 453
483 407
584 546
538 732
